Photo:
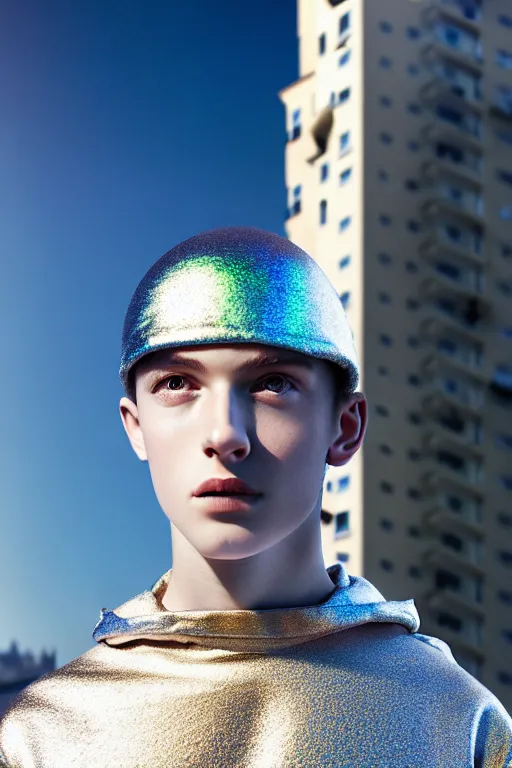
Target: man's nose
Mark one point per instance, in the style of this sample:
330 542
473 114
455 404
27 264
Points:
227 435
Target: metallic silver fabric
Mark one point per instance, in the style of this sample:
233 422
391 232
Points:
348 683
238 285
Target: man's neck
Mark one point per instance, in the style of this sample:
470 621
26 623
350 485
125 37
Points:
290 574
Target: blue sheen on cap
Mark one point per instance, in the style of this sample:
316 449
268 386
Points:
238 285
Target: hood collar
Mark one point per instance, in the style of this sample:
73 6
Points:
354 601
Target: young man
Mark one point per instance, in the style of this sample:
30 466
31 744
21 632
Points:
240 376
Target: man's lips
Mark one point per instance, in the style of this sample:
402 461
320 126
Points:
228 486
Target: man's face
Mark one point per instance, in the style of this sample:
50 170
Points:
258 413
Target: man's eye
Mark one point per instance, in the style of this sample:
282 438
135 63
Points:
281 380
173 382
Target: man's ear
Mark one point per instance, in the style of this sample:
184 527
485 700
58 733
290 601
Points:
130 418
351 429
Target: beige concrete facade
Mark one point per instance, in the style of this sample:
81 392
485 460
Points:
399 175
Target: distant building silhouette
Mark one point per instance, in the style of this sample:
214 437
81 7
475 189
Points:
18 670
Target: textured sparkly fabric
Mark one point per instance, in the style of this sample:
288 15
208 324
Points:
238 285
348 683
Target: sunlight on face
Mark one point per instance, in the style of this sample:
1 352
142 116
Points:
255 412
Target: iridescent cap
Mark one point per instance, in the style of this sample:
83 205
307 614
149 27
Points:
237 285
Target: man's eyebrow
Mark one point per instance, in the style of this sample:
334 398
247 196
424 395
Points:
262 360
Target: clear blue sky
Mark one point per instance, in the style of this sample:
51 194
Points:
126 127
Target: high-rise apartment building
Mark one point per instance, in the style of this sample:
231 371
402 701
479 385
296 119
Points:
399 178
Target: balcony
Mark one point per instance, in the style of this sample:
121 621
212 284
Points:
440 90
437 474
468 208
439 556
447 423
436 50
461 315
439 438
456 11
501 103
444 131
439 518
441 599
321 131
462 283
436 244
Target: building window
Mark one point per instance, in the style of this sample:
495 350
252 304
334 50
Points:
504 440
385 220
344 23
505 136
414 108
344 224
383 175
381 410
343 483
382 370
386 487
385 340
507 635
504 596
328 486
454 503
452 541
341 523
506 213
448 269
415 418
385 62
504 59
504 287
414 455
412 304
386 138
415 572
505 250
505 21
506 482
384 258
413 33
412 185
386 565
324 171
384 297
321 44
411 266
385 449
413 146
414 531
345 299
386 27
505 519
344 141
412 341
413 493
386 101
505 557
323 211
413 69
296 204
413 226
296 124
345 175
344 262
451 460
344 59
385 524
414 380
344 95
342 557
505 678
447 620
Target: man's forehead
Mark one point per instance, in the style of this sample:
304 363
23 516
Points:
260 354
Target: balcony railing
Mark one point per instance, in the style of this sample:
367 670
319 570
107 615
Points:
447 598
437 49
440 518
440 556
441 90
464 13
